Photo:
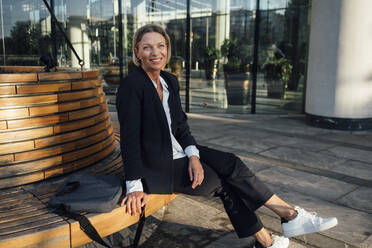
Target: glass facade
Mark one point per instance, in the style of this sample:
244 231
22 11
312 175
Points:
222 35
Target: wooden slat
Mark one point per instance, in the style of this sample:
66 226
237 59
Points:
20 69
20 180
101 117
20 207
38 121
54 76
75 155
55 108
85 84
66 137
93 101
59 170
13 113
95 157
50 235
63 107
14 217
114 163
43 153
27 167
14 194
27 100
6 159
31 225
71 96
67 147
74 125
26 221
7 90
90 74
43 88
18 77
16 147
3 125
75 115
6 137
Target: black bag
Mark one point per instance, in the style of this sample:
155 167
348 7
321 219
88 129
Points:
91 193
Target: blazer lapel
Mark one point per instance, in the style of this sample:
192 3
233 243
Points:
156 99
171 100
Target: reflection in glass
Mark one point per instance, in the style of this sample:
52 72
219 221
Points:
222 44
282 57
25 28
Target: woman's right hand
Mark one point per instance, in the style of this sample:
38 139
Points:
134 202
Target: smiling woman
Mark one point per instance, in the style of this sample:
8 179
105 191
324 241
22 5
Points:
161 156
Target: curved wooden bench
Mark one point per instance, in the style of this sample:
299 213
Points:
25 220
52 124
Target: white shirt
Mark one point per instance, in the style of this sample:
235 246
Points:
178 152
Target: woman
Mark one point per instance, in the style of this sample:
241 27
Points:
161 156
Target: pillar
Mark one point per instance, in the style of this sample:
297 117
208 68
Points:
339 80
222 21
78 32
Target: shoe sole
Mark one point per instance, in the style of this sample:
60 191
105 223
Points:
302 231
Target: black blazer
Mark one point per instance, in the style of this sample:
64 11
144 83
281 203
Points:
144 133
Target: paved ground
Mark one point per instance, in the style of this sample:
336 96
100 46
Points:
325 171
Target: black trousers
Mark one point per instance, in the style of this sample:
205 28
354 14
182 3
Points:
227 177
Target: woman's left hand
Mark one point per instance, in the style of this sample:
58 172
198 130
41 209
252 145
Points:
196 171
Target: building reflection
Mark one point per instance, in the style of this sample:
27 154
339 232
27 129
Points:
92 26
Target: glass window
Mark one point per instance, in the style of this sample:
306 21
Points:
25 32
282 57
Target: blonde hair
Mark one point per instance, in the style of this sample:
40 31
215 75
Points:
149 28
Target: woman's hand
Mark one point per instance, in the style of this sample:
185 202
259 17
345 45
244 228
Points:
196 171
134 202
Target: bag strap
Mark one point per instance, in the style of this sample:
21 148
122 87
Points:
140 226
86 226
92 233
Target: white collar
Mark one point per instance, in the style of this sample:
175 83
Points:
162 81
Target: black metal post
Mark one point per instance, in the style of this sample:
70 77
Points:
188 57
53 33
255 56
120 23
81 62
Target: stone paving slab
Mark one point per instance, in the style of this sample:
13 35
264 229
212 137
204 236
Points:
189 224
311 145
355 169
239 142
351 153
287 180
367 243
312 159
360 198
362 138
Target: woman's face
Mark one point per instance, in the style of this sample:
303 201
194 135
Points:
152 51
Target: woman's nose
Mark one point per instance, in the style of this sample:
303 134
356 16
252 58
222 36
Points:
155 51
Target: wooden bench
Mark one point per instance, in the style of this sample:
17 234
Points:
52 125
25 220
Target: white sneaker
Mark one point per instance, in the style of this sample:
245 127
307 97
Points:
278 242
305 223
